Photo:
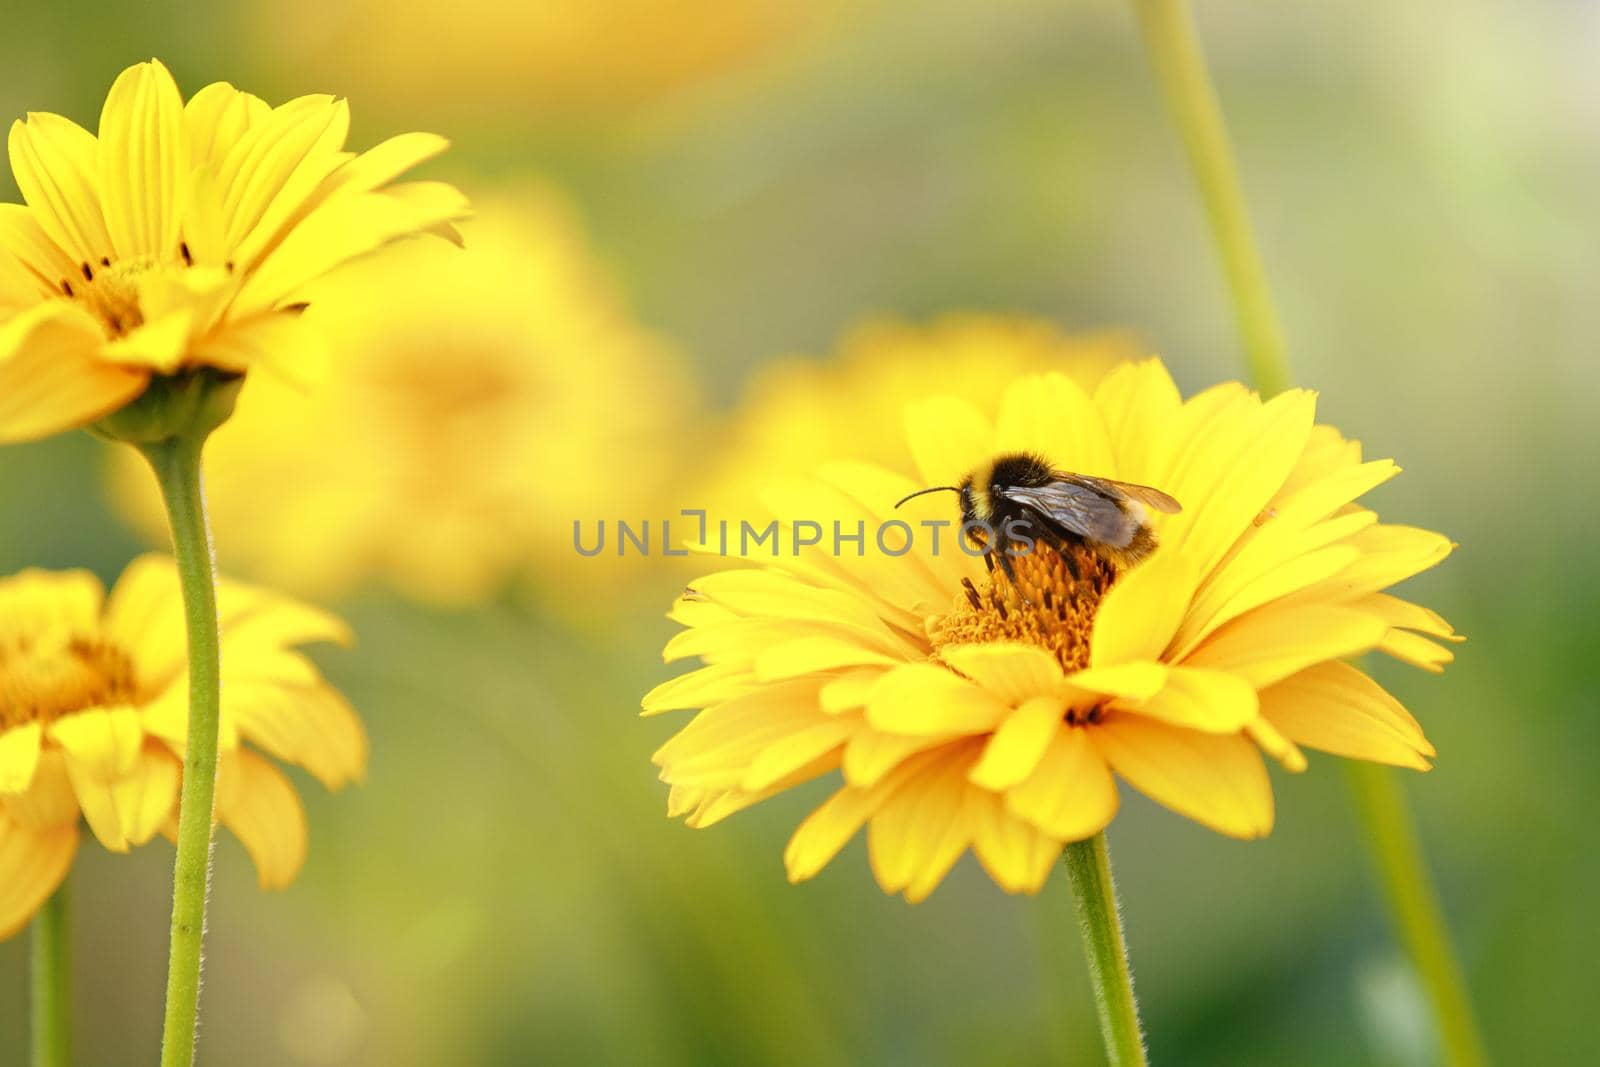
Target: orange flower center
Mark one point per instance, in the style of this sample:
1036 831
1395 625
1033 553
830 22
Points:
1046 605
42 679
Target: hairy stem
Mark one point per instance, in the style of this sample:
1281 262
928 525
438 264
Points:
176 463
1100 923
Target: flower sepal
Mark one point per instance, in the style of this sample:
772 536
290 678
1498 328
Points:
188 405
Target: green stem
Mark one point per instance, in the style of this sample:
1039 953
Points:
176 463
1415 907
51 999
1174 49
1100 923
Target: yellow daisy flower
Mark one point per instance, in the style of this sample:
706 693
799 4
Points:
965 712
483 399
93 717
182 236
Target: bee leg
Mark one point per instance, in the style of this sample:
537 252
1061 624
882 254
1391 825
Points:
1072 563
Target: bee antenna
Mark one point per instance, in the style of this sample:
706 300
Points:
923 492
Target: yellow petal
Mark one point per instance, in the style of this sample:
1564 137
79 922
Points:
700 688
63 604
1142 611
919 832
830 827
1416 650
26 240
1140 405
1012 672
1051 415
258 804
808 655
102 742
1271 643
52 377
19 757
102 750
870 756
1336 708
1213 701
216 117
49 801
948 437
144 163
1018 744
54 161
343 229
309 725
1015 853
1218 780
148 795
32 865
1132 681
920 699
261 166
387 160
1070 795
779 760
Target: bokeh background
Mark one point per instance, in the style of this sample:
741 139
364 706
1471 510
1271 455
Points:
759 176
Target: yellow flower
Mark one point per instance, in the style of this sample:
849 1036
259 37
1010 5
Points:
93 718
482 400
182 236
970 713
553 60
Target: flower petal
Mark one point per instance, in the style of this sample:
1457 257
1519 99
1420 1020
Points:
1271 643
54 161
948 437
1142 611
1018 744
52 377
1013 672
19 757
144 161
258 804
1217 702
32 865
1070 795
1218 780
49 800
922 700
1336 708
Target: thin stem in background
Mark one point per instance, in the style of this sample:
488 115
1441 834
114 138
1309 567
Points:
1174 49
176 463
1398 856
51 995
1100 922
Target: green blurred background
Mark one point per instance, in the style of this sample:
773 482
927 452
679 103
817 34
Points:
506 888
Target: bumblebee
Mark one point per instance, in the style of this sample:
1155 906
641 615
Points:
1018 499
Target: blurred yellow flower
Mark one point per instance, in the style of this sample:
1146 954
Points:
549 59
798 412
964 714
182 236
93 717
482 400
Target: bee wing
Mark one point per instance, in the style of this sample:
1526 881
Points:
1081 509
1126 490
